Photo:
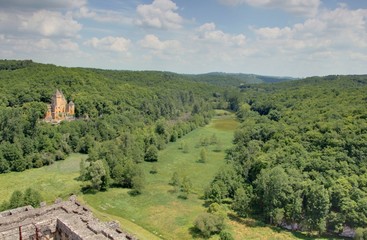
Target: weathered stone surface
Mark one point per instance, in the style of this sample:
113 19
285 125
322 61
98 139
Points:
64 220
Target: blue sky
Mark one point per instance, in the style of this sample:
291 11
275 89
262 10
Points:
271 37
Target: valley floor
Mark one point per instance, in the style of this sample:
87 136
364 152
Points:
159 212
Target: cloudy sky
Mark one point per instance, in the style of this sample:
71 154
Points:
270 37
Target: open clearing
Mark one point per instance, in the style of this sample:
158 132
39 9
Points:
56 180
159 209
158 212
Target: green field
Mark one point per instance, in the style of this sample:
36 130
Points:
159 209
158 212
56 180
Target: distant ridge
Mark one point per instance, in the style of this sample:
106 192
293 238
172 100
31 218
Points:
236 79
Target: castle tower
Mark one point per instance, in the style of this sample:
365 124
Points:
71 108
58 106
59 109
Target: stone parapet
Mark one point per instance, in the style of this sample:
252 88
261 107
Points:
64 220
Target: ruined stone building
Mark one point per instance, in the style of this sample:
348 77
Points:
60 109
64 220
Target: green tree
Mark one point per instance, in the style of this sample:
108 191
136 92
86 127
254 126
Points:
203 157
151 155
32 197
175 181
218 146
83 170
138 182
217 209
185 187
154 169
97 174
16 200
225 236
216 192
160 127
4 165
106 179
294 209
360 234
317 207
208 224
273 188
213 139
4 206
185 148
241 202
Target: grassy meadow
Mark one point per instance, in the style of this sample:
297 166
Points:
159 209
158 213
56 180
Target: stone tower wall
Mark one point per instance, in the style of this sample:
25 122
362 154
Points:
59 109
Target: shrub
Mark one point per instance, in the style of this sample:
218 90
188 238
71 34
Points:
225 236
208 224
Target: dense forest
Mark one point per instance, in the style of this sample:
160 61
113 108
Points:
123 118
300 155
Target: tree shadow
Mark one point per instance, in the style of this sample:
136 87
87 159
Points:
207 203
246 221
183 196
195 233
134 193
88 190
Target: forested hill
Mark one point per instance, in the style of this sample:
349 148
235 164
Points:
123 117
25 81
300 154
235 79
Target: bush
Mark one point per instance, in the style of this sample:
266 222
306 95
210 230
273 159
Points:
361 234
153 170
225 236
151 154
208 224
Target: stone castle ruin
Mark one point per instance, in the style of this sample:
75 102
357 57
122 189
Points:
60 109
64 220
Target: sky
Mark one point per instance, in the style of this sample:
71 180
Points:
296 38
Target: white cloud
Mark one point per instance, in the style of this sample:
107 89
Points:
305 7
338 29
358 56
43 22
45 44
154 43
160 14
333 41
273 33
105 16
114 44
50 23
68 45
34 46
44 4
208 32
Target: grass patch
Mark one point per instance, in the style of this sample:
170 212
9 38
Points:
159 209
56 180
